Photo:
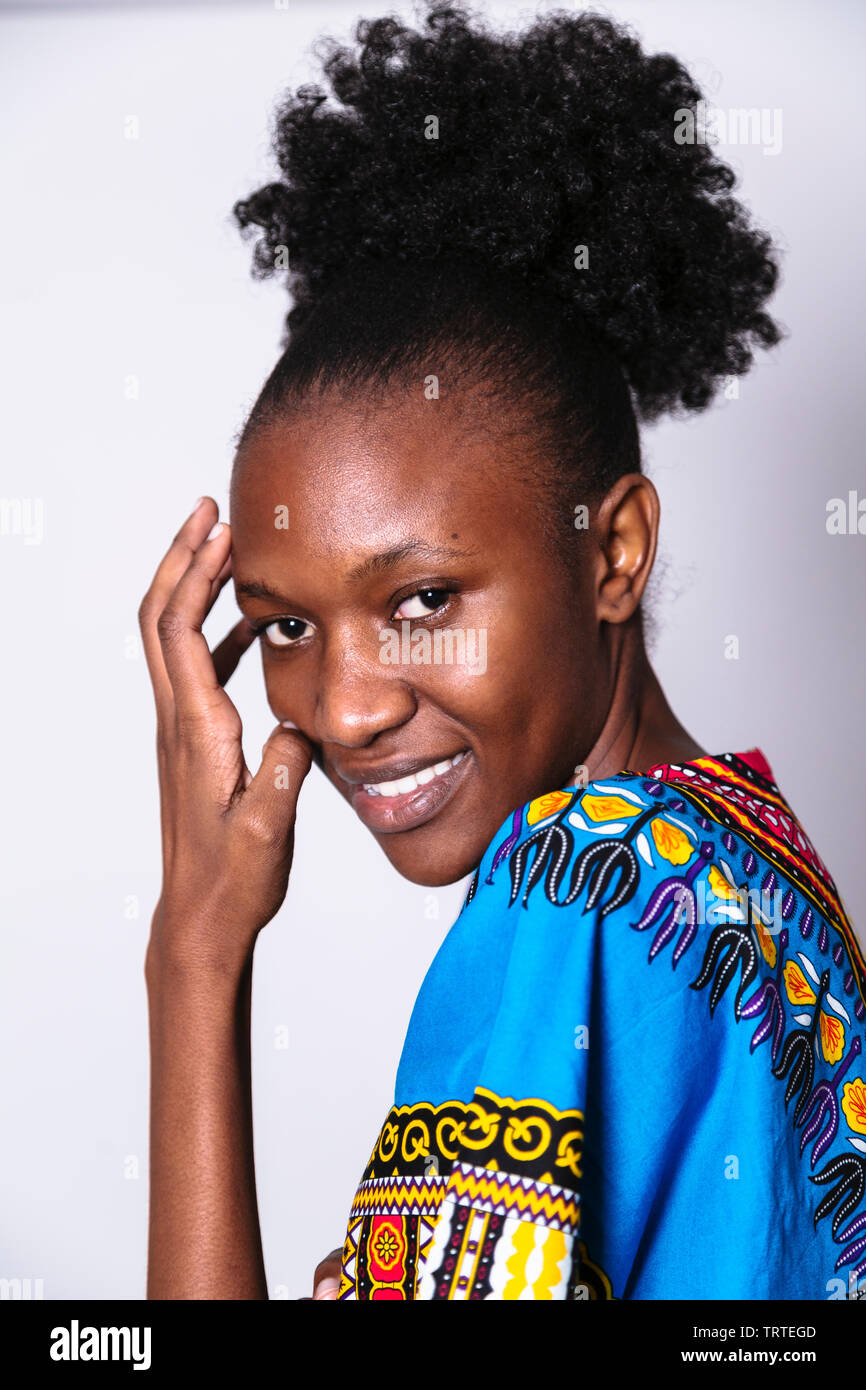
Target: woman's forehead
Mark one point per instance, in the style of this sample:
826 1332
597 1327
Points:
409 460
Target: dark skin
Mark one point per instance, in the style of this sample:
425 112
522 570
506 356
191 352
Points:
402 511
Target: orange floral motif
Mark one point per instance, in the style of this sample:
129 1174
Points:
832 1037
767 944
671 843
798 988
547 805
720 885
854 1103
600 808
388 1246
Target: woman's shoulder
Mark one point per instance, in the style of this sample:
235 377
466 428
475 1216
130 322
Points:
706 860
704 837
589 842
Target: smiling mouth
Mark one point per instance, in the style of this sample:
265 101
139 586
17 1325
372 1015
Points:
388 807
418 779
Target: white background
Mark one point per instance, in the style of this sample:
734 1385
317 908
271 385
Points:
120 258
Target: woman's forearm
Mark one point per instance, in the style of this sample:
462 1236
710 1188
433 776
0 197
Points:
204 1238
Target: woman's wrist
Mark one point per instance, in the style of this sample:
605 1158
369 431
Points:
190 954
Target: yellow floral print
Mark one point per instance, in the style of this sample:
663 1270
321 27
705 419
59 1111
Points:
671 843
547 805
600 808
854 1103
832 1037
798 987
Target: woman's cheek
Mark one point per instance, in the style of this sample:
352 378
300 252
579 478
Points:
286 696
481 681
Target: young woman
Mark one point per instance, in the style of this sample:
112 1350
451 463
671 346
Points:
634 1068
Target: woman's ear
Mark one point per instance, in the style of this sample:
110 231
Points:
626 526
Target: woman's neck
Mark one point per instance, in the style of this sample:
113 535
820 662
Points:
640 729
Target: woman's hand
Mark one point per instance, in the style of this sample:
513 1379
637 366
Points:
326 1280
227 836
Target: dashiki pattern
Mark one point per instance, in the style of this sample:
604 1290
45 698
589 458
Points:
635 1067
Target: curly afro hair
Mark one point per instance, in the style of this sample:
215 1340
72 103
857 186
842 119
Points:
403 234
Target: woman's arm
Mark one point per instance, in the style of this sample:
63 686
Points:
227 840
204 1239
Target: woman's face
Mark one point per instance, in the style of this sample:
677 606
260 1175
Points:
444 665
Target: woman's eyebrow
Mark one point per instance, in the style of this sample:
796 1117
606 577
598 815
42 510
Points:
386 559
252 588
374 564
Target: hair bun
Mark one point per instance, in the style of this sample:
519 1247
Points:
553 139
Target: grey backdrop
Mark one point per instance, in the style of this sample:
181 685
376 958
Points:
133 341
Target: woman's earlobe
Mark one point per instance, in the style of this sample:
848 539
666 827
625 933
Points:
617 599
628 547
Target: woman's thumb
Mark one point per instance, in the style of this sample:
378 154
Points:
286 760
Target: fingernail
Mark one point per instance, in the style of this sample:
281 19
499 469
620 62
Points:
287 724
214 530
327 1288
198 502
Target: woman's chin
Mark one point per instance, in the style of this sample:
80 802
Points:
435 859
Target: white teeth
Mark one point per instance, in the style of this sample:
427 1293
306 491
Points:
388 788
410 784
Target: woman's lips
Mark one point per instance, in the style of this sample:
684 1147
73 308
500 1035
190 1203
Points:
389 814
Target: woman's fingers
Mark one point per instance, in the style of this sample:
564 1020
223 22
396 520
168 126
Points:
230 650
326 1280
185 653
217 586
174 564
327 1288
271 797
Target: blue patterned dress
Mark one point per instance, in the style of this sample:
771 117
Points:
635 1067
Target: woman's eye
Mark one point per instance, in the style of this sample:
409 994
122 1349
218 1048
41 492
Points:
422 604
284 632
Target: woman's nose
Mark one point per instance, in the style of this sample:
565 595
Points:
360 697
